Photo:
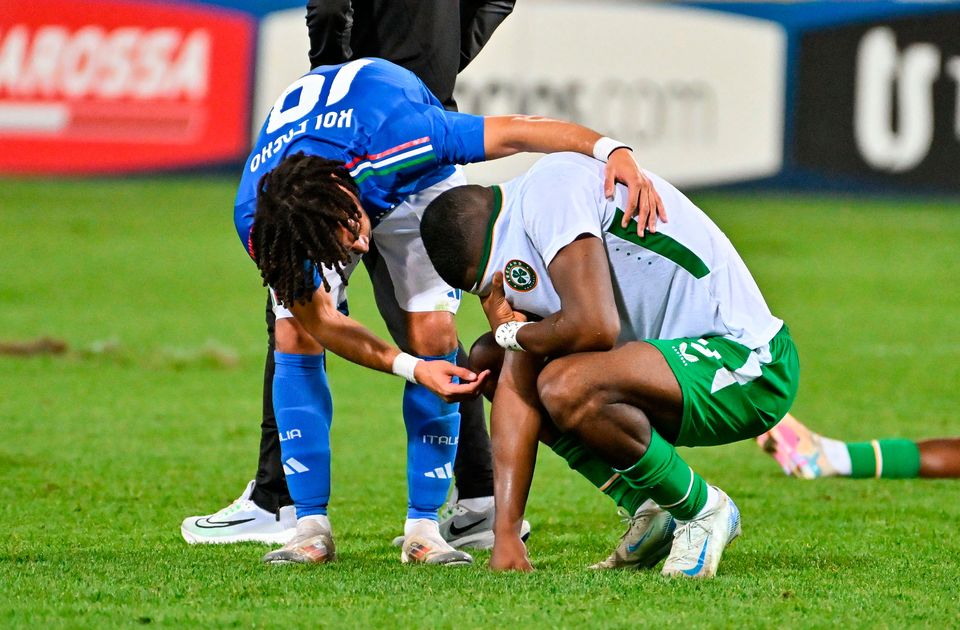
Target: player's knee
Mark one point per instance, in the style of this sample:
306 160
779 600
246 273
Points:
485 354
431 334
566 394
292 338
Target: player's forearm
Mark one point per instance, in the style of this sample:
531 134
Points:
356 343
350 340
345 337
507 135
514 432
559 335
588 320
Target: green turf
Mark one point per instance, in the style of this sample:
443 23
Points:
153 415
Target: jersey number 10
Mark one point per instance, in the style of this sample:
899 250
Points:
310 86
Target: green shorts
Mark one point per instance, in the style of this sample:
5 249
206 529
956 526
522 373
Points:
731 393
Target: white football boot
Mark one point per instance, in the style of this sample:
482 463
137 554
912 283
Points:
241 521
312 544
698 544
423 544
646 542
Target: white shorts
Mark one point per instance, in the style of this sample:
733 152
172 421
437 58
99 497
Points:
416 284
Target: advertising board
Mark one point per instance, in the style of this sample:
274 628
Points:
879 101
106 86
698 94
803 94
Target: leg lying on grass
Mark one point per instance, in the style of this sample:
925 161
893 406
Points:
808 455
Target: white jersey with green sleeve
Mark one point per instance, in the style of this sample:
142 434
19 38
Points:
685 280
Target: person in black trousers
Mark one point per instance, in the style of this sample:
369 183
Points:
435 39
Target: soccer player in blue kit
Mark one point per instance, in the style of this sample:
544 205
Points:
351 153
434 39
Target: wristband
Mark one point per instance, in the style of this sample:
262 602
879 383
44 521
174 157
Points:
506 335
403 365
603 147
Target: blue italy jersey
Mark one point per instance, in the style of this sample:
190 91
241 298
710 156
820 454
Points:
379 119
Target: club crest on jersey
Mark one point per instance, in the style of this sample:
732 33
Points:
520 276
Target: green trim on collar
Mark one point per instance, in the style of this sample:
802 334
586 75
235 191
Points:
488 237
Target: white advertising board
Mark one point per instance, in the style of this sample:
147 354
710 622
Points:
699 94
282 47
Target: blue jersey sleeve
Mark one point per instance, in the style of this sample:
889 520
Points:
413 146
459 138
456 138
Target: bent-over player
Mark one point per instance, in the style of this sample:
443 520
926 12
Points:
434 39
641 344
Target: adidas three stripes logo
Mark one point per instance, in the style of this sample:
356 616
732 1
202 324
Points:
440 473
292 467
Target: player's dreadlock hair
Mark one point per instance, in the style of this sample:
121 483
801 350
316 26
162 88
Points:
453 226
300 206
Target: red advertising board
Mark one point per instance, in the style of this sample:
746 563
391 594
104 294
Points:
106 86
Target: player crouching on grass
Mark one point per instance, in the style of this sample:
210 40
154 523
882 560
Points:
639 345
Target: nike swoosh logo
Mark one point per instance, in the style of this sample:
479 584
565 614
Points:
219 524
456 531
632 548
703 555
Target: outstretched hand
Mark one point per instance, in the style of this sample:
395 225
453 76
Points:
643 201
438 377
496 307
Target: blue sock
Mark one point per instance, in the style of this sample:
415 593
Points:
433 429
304 410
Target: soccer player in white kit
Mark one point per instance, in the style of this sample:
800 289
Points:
631 345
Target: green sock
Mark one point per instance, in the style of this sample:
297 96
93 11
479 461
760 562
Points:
890 459
602 476
669 481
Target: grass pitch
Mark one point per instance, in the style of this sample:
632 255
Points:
152 414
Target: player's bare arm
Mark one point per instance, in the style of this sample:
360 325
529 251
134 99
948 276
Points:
588 319
515 422
351 340
507 135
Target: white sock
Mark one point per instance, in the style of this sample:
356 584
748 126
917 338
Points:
320 519
412 524
838 455
477 504
713 500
